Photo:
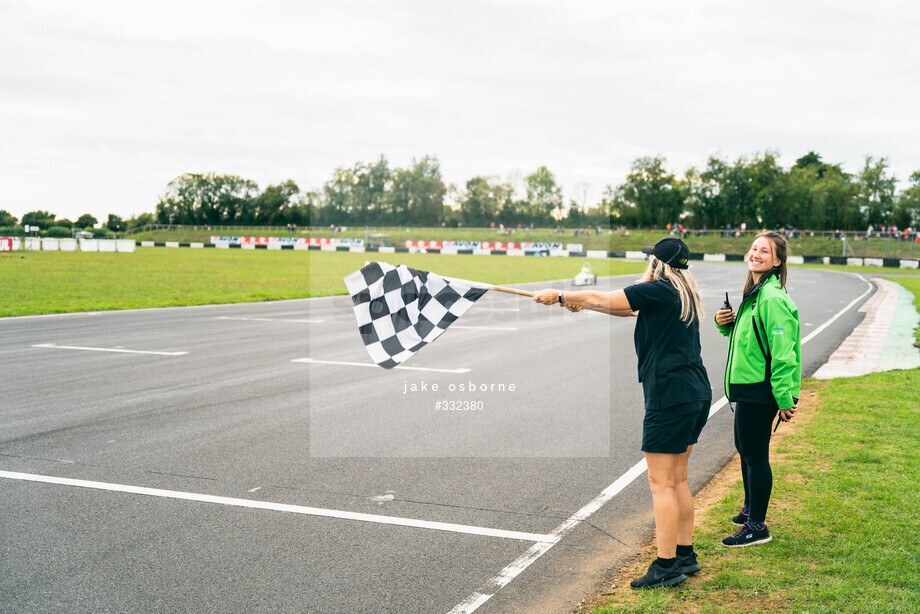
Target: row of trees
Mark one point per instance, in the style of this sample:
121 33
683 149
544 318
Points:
52 226
754 190
208 199
373 194
757 191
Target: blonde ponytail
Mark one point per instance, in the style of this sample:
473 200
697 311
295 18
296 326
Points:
691 308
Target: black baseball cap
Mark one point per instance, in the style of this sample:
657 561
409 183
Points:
671 251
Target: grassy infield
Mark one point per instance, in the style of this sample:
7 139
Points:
59 282
844 519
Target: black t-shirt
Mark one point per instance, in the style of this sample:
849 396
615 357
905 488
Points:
670 367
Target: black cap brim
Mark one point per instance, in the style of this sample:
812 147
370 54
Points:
648 250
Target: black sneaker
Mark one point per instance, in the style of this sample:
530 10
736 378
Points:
688 564
740 519
657 576
747 536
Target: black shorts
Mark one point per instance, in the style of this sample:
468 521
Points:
672 429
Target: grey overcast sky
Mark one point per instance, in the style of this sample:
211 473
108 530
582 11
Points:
103 103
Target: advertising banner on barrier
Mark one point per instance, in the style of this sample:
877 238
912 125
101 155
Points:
444 244
498 246
461 244
540 247
6 244
286 240
292 241
335 242
349 243
423 244
255 240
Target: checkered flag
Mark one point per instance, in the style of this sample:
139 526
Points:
400 310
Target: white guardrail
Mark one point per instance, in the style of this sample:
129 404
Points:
36 244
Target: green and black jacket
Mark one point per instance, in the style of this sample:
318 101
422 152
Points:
765 348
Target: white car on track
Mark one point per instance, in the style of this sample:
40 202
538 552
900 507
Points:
586 277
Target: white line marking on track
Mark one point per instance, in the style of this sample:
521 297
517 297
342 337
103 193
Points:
116 350
282 507
144 309
841 312
717 406
55 315
516 567
270 320
524 561
471 603
368 364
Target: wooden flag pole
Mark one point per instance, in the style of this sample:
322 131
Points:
485 286
513 291
526 293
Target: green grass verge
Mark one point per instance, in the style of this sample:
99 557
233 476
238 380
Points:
877 270
845 537
62 282
913 285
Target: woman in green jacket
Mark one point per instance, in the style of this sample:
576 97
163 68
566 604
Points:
762 376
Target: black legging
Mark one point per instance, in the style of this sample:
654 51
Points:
753 427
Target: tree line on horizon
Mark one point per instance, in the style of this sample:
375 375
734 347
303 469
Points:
753 190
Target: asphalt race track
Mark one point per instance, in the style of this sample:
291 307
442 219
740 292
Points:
230 459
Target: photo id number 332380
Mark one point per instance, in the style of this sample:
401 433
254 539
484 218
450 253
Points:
459 405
